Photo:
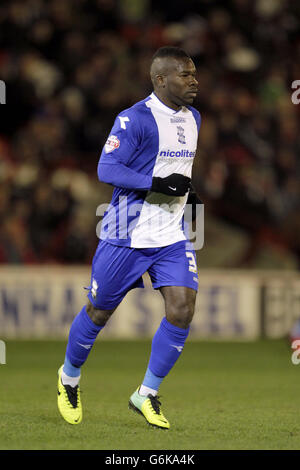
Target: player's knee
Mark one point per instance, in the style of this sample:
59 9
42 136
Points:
180 314
99 317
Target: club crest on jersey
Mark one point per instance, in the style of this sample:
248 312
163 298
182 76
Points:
181 136
112 143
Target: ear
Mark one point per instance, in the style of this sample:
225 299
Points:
160 81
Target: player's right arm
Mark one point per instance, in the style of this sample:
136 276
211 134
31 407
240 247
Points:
123 142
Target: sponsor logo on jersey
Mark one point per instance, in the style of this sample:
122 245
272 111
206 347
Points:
177 120
112 143
179 153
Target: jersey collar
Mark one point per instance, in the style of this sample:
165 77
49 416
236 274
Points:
163 106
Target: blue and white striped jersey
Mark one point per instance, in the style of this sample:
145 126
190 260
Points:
149 139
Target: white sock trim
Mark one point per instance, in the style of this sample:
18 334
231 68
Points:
145 391
67 380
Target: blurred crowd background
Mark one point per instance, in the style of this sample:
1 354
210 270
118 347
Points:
70 66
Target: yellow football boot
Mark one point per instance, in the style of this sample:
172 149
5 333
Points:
68 401
149 407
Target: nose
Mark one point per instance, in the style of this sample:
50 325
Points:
194 81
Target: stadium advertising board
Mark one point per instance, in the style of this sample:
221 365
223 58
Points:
41 302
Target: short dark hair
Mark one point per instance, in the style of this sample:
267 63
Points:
170 51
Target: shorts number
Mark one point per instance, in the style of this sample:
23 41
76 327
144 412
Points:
192 262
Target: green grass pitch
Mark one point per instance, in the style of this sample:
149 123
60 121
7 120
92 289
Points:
219 395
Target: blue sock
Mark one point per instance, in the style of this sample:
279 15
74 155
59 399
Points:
151 380
83 333
167 345
69 369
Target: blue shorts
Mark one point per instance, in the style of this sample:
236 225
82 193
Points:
118 269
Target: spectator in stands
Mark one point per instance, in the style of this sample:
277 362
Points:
57 57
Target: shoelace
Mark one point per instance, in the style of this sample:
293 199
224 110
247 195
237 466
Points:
72 394
155 403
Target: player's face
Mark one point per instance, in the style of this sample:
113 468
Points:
181 86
